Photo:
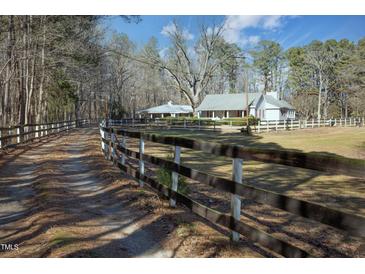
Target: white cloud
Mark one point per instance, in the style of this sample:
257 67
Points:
163 53
234 26
170 28
253 39
272 22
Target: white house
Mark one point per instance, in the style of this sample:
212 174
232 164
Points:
167 110
265 107
269 107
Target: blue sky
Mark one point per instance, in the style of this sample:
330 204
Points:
247 30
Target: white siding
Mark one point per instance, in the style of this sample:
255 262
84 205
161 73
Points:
272 114
266 111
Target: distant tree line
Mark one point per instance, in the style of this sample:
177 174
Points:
66 67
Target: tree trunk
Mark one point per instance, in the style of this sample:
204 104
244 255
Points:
41 82
6 103
23 67
325 108
319 96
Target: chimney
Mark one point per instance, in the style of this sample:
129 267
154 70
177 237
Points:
273 94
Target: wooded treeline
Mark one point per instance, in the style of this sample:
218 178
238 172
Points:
70 67
45 63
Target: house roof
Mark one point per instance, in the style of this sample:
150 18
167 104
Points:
236 101
168 108
278 103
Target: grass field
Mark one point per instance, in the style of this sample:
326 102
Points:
347 142
341 192
337 191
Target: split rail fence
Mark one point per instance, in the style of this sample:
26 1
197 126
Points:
114 146
12 136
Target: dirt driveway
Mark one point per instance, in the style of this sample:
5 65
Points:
60 198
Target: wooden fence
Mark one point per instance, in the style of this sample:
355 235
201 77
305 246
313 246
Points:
262 126
12 136
266 125
200 124
114 146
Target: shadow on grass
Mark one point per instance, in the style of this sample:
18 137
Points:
69 206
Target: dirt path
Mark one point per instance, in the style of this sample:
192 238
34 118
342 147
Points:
59 198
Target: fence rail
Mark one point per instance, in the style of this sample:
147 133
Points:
200 124
15 135
278 125
114 146
261 126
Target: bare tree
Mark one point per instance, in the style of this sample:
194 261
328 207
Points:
190 69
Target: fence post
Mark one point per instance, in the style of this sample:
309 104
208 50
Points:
258 127
10 132
102 142
184 123
18 133
1 144
141 162
235 199
175 176
106 145
345 122
124 145
113 139
267 126
363 121
291 124
312 122
110 144
276 125
285 125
